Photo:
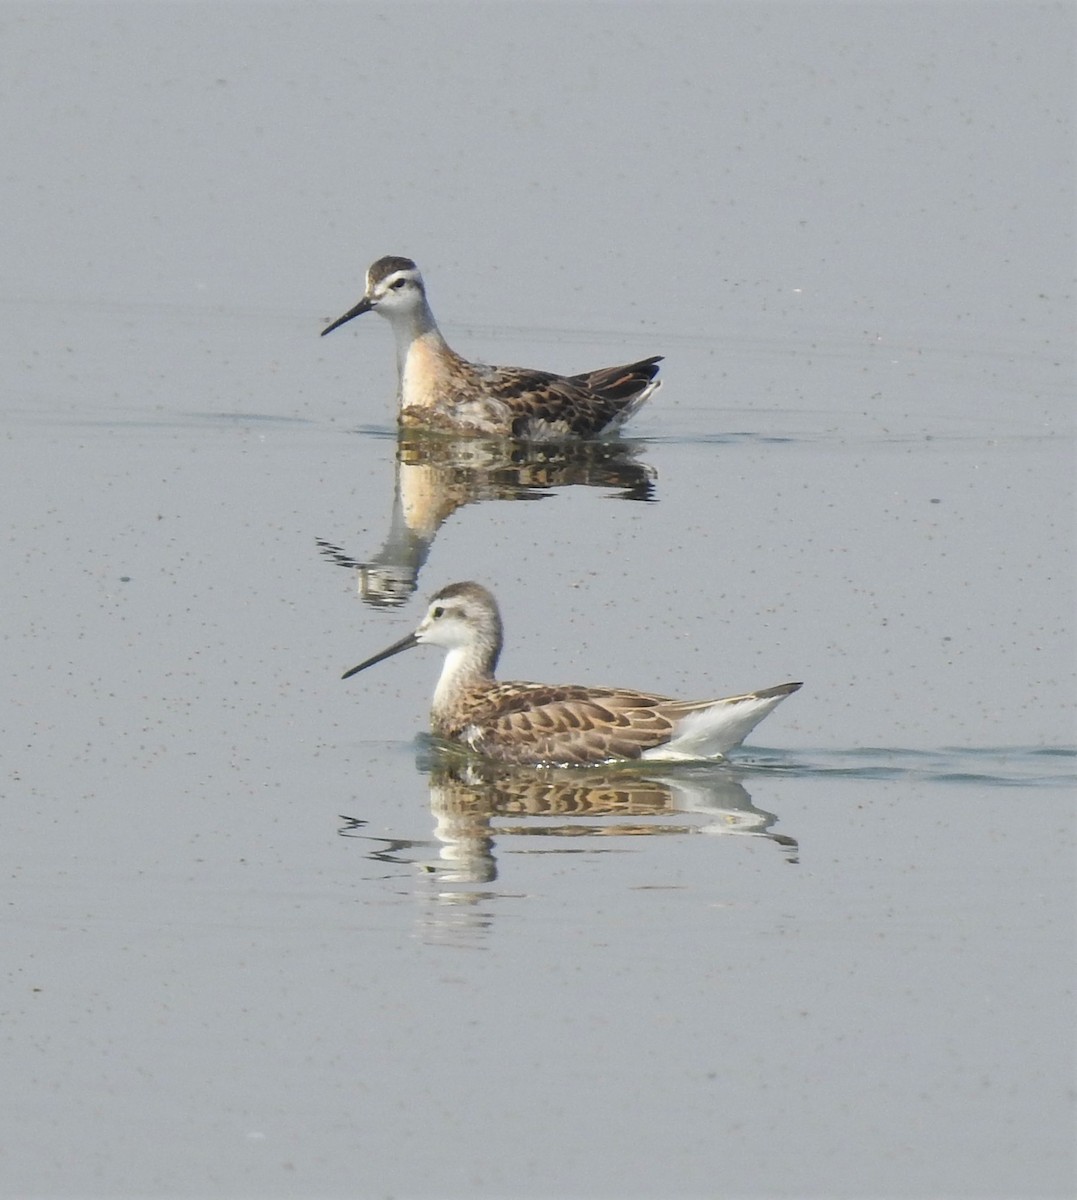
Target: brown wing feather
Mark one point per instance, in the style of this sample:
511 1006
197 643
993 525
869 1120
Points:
582 404
535 722
620 383
674 710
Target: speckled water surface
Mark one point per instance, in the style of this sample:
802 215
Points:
260 939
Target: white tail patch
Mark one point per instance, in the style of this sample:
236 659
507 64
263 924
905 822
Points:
712 732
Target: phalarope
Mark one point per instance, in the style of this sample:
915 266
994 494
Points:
441 390
544 724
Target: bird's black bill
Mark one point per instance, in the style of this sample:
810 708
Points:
363 306
405 643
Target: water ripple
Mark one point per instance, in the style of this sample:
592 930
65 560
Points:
995 766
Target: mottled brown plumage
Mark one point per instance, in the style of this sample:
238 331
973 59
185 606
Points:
560 724
441 390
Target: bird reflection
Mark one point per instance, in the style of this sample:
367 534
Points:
436 475
475 803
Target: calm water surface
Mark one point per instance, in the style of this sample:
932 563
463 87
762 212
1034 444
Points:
260 938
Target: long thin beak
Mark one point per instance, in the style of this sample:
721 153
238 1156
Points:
405 643
363 306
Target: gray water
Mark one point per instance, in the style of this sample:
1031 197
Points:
259 940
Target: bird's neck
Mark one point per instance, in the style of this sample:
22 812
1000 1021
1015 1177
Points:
465 667
416 328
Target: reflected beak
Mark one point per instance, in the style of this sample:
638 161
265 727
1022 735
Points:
405 643
363 306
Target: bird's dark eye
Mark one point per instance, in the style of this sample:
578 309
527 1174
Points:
398 283
438 612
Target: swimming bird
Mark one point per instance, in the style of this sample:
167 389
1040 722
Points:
544 724
440 390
